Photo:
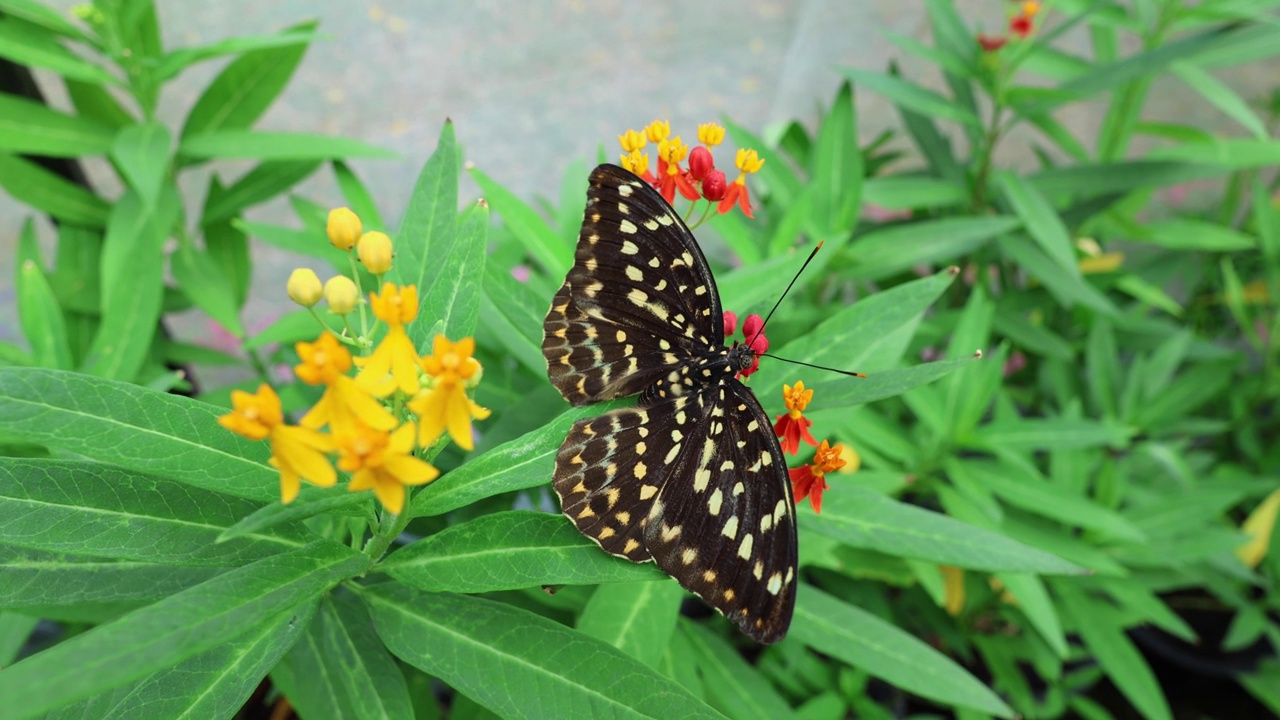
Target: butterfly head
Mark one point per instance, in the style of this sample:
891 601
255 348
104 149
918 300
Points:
741 357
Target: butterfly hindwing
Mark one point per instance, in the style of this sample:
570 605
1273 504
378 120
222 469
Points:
638 301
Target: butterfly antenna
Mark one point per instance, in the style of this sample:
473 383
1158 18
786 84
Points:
784 292
816 367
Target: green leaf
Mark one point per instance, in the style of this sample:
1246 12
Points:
547 670
26 44
246 87
358 197
836 183
1068 288
1189 391
866 519
1224 153
1040 220
228 250
909 96
733 686
134 428
528 461
510 309
93 102
176 61
293 327
1051 434
845 392
132 284
430 222
15 629
776 174
202 280
454 297
141 153
176 628
506 551
340 669
31 128
268 179
46 17
214 683
260 145
1222 97
1100 179
1192 234
638 618
910 192
539 239
310 502
892 249
1034 602
303 242
67 506
29 183
883 650
39 313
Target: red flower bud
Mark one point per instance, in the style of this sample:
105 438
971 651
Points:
1020 26
701 163
714 186
752 326
730 322
989 43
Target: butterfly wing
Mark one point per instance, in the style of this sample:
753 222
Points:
639 300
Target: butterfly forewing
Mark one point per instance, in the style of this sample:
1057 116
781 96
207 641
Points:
694 478
639 300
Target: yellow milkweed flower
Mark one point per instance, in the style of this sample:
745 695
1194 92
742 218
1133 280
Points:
383 462
395 355
374 251
341 294
297 452
657 131
445 405
343 228
710 134
631 141
345 401
304 287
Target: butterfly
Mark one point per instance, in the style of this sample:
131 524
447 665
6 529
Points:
692 478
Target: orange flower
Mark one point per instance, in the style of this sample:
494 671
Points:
383 462
395 355
345 400
297 452
808 481
670 176
445 403
792 426
748 162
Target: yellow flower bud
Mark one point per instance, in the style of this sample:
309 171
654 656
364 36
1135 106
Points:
304 287
341 294
343 228
374 252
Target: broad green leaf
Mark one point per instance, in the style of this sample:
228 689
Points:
124 425
178 60
910 192
528 461
258 145
40 315
1105 639
910 96
893 249
454 298
506 551
246 87
859 337
1068 288
539 239
845 392
31 184
509 309
214 683
15 629
879 648
733 686
1192 234
79 508
1040 220
268 179
547 670
340 669
836 183
202 280
27 44
178 627
32 128
430 222
638 618
866 519
1051 434
141 154
132 284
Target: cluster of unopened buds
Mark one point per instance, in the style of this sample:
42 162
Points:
379 420
1021 25
700 180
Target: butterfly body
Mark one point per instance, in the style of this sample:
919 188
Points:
692 478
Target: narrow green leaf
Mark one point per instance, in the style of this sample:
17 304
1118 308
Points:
29 183
1188 392
1030 336
866 519
1034 602
133 428
733 686
547 669
310 502
776 174
93 102
883 650
1068 288
303 242
1226 154
539 239
176 61
228 249
31 128
1051 434
1266 222
358 197
1222 97
1040 220
836 183
1192 234
46 17
141 154
293 327
893 249
454 297
910 192
430 222
15 629
265 181
246 87
1100 179
201 279
39 313
910 96
258 145
512 311
638 618
175 628
506 551
846 392
27 44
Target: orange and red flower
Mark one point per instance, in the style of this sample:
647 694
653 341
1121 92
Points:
792 426
809 481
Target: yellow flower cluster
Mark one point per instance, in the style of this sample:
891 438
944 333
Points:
397 404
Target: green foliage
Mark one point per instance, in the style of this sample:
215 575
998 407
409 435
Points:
1020 522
